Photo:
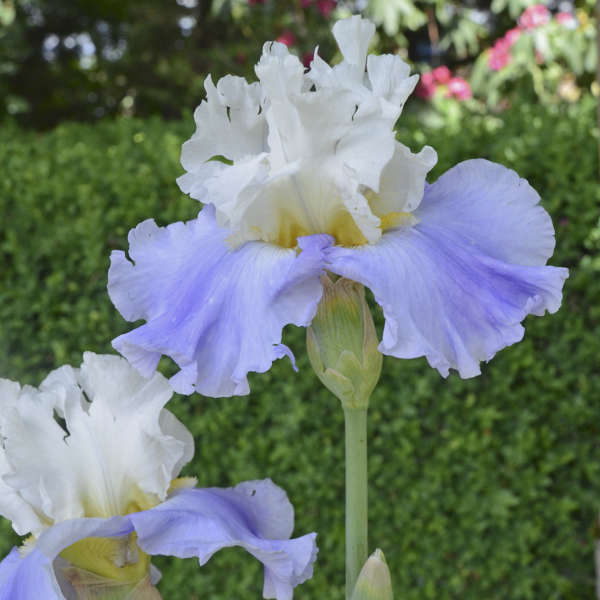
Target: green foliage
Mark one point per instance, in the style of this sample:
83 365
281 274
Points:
449 26
83 59
481 488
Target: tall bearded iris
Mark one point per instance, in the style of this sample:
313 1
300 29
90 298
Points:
300 173
87 469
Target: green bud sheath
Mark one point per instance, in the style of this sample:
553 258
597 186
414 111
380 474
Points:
108 569
374 581
342 343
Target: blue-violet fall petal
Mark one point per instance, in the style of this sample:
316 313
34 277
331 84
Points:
217 312
32 576
456 286
255 515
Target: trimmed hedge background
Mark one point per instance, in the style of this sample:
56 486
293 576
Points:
483 488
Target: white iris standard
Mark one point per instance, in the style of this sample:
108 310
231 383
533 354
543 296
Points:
311 152
88 470
301 174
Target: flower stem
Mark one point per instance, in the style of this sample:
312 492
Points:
356 494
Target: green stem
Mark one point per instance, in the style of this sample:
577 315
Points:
598 75
356 494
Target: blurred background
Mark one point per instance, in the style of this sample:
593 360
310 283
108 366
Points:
483 488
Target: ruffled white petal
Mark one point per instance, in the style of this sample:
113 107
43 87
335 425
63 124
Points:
353 36
12 505
390 81
329 136
229 123
403 180
111 457
387 81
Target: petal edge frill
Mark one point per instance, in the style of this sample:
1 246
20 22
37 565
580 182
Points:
448 288
217 312
198 522
255 515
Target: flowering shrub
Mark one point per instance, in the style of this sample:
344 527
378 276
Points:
442 83
545 56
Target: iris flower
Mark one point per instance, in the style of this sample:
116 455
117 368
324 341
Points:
300 173
88 467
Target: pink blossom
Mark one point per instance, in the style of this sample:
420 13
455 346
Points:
566 19
307 59
306 3
534 16
287 37
512 35
442 74
459 88
499 55
426 87
326 7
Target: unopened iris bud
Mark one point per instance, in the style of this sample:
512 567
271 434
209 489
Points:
374 581
342 343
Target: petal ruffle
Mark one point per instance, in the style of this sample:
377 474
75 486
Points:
455 287
229 123
255 515
217 312
58 471
493 209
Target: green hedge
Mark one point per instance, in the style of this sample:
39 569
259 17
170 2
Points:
484 488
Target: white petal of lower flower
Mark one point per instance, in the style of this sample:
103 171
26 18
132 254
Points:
77 468
12 505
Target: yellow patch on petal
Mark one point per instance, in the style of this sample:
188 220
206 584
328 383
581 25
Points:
289 231
391 219
119 559
182 483
346 232
397 219
135 501
342 228
27 546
